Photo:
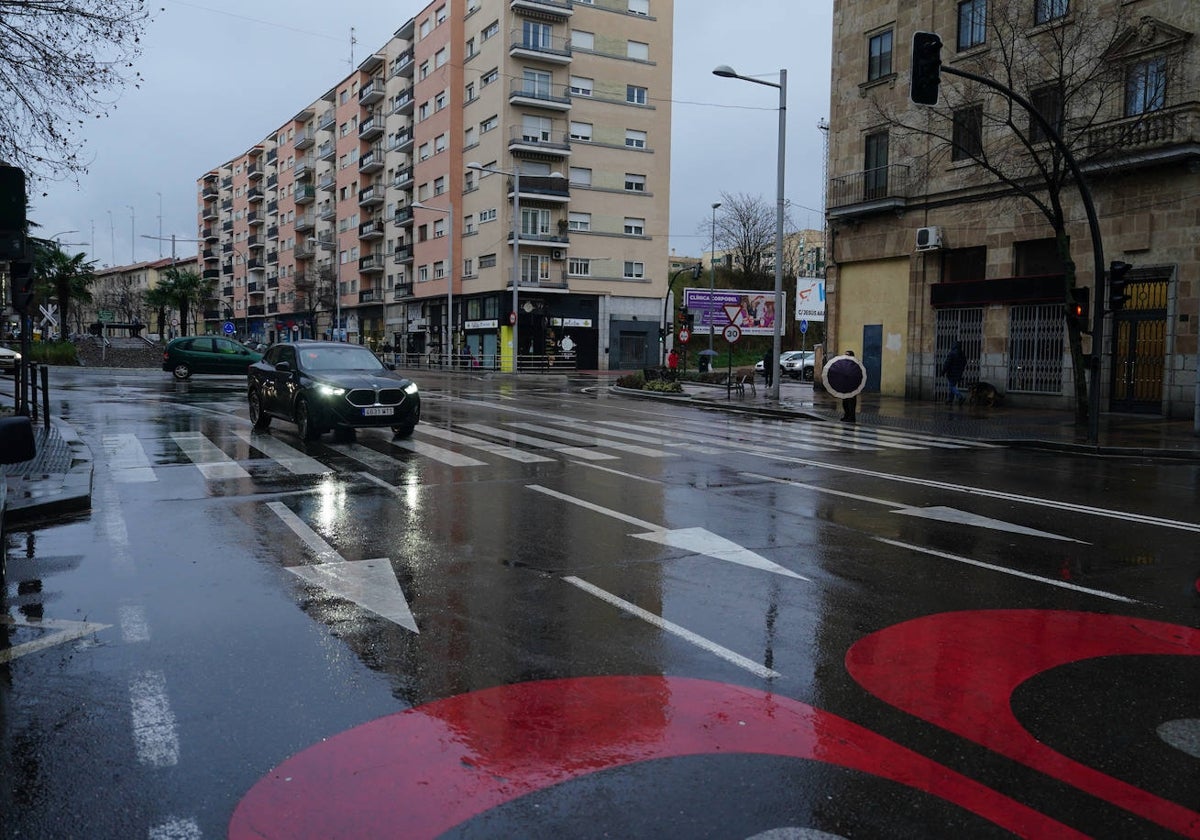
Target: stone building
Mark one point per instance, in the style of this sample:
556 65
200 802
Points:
935 230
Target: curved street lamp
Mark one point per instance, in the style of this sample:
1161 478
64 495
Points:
727 72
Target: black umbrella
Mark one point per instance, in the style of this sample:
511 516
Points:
844 376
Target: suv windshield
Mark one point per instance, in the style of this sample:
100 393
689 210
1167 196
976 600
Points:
340 358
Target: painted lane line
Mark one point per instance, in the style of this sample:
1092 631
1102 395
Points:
1061 584
293 460
208 457
621 473
509 452
437 453
994 494
367 456
691 540
176 829
675 630
63 631
592 440
132 619
371 584
939 513
392 488
538 443
127 459
112 527
155 738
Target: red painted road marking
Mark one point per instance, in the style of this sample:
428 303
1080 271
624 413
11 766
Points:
425 770
959 671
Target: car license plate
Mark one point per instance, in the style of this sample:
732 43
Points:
378 411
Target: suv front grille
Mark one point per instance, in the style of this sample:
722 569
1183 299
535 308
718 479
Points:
363 397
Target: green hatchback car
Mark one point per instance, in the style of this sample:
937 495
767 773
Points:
207 354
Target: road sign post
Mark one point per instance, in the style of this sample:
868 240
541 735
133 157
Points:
732 333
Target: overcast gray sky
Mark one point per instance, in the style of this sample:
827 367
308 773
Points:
221 74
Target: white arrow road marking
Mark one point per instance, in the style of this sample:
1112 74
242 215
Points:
695 540
937 512
687 635
65 631
1061 584
369 583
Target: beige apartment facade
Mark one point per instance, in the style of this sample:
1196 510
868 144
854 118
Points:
388 202
119 294
927 246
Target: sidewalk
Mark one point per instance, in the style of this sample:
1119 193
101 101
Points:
55 482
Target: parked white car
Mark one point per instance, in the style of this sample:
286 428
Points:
9 359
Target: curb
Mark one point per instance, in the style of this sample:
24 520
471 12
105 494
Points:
54 494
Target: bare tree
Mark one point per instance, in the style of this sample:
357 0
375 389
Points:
1080 76
314 293
745 228
61 62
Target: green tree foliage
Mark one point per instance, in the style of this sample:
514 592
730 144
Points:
62 278
184 289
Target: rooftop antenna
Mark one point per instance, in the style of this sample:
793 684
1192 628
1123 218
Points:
353 41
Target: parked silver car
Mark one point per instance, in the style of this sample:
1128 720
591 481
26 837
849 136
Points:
798 364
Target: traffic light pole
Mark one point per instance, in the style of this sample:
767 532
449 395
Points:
1089 207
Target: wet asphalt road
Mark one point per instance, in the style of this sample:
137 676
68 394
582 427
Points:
559 613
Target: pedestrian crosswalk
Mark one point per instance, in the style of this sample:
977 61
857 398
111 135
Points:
239 453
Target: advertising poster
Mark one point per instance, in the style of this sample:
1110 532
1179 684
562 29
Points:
755 311
810 299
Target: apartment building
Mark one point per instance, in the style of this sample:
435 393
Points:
386 207
119 295
928 244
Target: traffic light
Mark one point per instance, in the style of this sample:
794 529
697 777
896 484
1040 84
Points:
697 270
12 213
925 75
686 317
1077 309
1116 285
20 277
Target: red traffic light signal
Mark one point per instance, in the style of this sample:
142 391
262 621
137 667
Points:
1077 309
926 73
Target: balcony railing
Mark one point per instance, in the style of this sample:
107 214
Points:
306 222
544 142
371 92
1155 130
402 291
326 150
526 92
256 309
371 262
402 254
370 229
870 191
371 127
370 296
528 44
403 63
371 195
402 216
543 186
403 178
305 193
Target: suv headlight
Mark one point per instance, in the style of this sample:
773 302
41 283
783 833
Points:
410 388
330 391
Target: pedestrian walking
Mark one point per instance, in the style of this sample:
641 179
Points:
953 368
768 366
673 364
849 404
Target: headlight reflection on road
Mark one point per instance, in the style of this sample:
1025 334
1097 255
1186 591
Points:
331 502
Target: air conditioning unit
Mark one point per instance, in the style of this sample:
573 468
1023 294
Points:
557 254
929 238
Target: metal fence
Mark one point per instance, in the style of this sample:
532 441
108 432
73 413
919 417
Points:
1035 348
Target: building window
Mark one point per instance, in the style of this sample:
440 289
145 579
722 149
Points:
440 14
487 261
439 185
487 125
536 129
439 57
491 30
470 92
422 274
637 50
423 112
439 270
581 131
1047 101
439 143
423 71
425 25
579 267
1037 258
423 151
439 101
488 215
634 226
581 86
469 223
535 268
579 221
580 176
962 265
639 7
581 40
634 270
635 139
489 77
875 165
635 183
972 23
968 133
468 267
636 95
879 56
1146 87
1047 10
470 47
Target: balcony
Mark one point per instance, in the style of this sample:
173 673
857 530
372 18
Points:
327 121
210 210
543 188
302 251
327 150
403 291
227 248
272 181
328 183
305 222
272 258
541 237
303 167
531 94
210 234
372 161
403 216
255 195
305 138
272 281
532 141
371 92
227 204
255 219
273 205
227 182
256 242
272 231
372 127
209 191
403 103
227 226
370 296
371 229
272 155
370 263
402 254
209 255
530 46
1159 137
256 310
401 141
256 264
254 172
403 64
227 290
880 190
272 307
305 194
256 288
541 9
211 274
227 268
327 211
371 196
403 179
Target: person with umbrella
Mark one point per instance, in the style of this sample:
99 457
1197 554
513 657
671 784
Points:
845 377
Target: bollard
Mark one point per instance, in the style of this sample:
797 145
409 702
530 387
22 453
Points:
45 398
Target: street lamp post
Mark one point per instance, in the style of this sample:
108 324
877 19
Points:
450 275
727 72
516 235
712 274
132 237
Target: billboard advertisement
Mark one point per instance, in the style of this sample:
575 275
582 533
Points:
753 309
810 299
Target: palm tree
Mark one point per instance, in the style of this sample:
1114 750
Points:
185 288
61 277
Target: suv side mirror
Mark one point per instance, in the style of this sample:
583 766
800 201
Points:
283 367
